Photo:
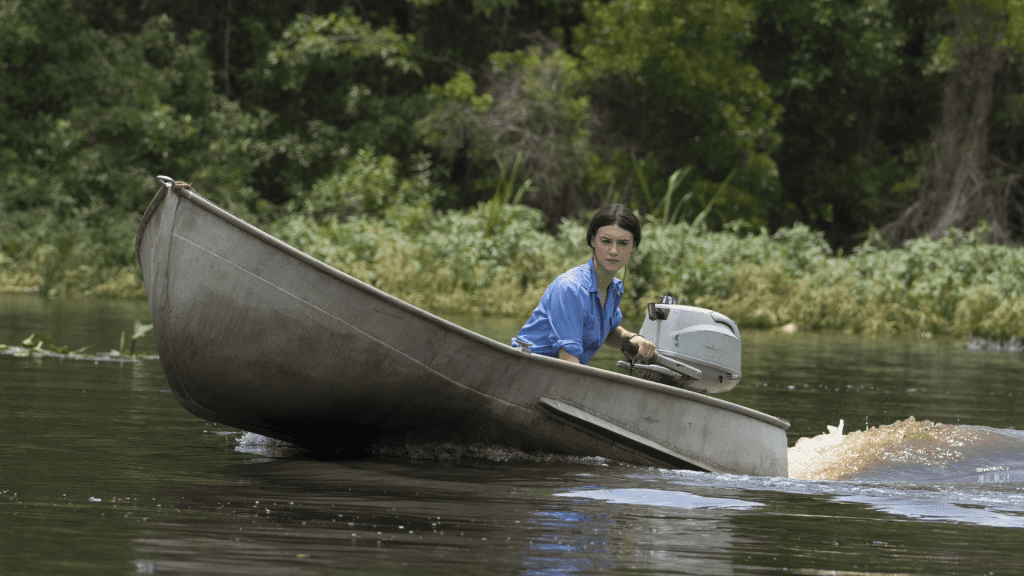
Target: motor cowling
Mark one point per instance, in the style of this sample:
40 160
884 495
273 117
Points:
697 348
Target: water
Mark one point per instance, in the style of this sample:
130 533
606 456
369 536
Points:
101 472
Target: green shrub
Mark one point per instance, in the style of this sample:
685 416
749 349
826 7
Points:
470 262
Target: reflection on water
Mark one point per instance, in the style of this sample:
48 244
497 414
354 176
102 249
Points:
952 506
102 472
671 499
816 380
481 519
567 542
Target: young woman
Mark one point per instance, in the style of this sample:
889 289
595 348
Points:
580 309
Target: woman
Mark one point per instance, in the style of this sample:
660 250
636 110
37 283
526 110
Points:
580 309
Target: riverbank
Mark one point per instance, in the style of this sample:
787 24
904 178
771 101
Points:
497 261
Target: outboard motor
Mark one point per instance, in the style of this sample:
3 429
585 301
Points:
697 348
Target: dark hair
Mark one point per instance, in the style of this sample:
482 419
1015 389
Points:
614 215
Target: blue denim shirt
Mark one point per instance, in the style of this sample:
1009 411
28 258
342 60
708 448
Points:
570 316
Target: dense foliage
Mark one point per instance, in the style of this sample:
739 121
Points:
498 260
380 135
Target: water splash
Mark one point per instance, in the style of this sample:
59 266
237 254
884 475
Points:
252 443
906 450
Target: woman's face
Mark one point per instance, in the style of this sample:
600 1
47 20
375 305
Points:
612 247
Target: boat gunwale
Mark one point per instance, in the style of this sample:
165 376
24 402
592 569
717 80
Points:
186 193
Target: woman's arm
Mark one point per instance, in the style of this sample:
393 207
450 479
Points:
620 335
563 355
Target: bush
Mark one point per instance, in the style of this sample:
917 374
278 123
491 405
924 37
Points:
470 262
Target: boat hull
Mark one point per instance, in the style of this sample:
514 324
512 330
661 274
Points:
257 335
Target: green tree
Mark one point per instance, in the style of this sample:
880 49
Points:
88 121
90 118
532 114
330 82
356 76
974 169
672 86
858 106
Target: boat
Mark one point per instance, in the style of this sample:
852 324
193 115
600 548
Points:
259 336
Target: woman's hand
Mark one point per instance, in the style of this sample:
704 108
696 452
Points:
619 337
647 348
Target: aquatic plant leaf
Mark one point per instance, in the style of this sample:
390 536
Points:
141 330
36 340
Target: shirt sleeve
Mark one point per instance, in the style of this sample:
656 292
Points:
566 310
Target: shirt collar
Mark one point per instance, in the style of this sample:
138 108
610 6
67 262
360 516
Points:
592 274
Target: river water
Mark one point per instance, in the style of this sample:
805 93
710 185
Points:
102 472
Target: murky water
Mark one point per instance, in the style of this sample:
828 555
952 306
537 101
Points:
101 472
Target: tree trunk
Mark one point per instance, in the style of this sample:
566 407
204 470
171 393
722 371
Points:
227 51
963 183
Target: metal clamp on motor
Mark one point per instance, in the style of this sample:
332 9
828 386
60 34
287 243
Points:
660 313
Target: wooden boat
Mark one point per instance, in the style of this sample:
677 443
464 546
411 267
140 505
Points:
254 334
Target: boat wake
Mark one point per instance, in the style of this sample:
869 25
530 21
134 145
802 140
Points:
912 451
449 452
906 451
252 443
